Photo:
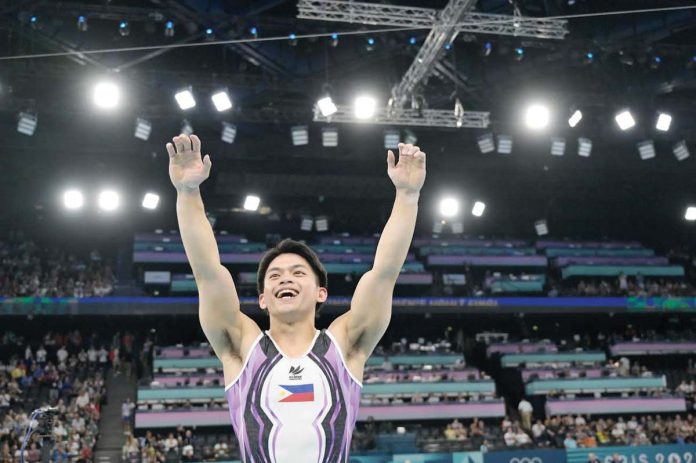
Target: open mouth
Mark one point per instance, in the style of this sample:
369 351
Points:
286 294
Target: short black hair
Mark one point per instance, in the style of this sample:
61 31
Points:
288 246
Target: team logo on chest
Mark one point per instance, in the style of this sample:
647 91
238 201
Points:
295 373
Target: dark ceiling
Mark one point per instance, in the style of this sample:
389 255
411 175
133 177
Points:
275 84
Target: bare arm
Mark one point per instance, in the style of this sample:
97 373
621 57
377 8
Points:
370 309
219 311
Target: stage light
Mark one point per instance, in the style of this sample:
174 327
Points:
209 34
541 227
222 101
392 137
300 135
142 128
519 54
370 45
82 25
413 41
251 202
306 223
584 147
664 120
169 29
438 225
106 95
646 149
690 213
625 120
478 209
185 99
73 199
655 62
229 132
123 28
321 223
575 118
329 137
150 201
504 144
449 207
186 127
680 150
365 107
108 200
326 106
486 143
334 40
27 123
457 228
487 49
292 38
254 32
558 146
537 117
589 57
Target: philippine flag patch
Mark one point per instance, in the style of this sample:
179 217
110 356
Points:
297 393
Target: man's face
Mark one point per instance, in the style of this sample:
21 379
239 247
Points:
290 286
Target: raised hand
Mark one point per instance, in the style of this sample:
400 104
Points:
186 168
409 173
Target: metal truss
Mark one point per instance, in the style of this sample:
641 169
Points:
405 16
410 117
445 24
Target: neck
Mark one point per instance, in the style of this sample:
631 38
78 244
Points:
292 338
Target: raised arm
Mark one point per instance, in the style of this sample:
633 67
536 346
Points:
370 309
219 312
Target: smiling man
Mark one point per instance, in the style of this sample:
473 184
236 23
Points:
293 391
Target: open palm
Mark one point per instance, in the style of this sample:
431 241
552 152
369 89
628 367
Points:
409 173
187 170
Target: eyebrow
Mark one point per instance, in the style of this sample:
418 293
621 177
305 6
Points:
278 269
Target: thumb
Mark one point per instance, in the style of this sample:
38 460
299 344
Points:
207 163
391 160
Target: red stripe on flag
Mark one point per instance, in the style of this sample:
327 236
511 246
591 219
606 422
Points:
300 397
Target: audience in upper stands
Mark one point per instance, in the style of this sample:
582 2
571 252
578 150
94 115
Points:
29 270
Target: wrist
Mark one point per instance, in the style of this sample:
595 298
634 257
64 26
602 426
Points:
408 195
186 190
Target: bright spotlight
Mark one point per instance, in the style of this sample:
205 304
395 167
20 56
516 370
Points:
541 227
625 120
537 117
690 213
365 107
73 199
150 201
222 101
449 207
326 106
106 95
109 200
575 118
478 208
646 149
663 122
251 202
185 99
229 132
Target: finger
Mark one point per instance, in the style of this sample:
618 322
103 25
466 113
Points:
391 159
170 150
196 143
179 144
420 157
206 163
186 141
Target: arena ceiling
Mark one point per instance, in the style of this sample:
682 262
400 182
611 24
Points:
275 83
